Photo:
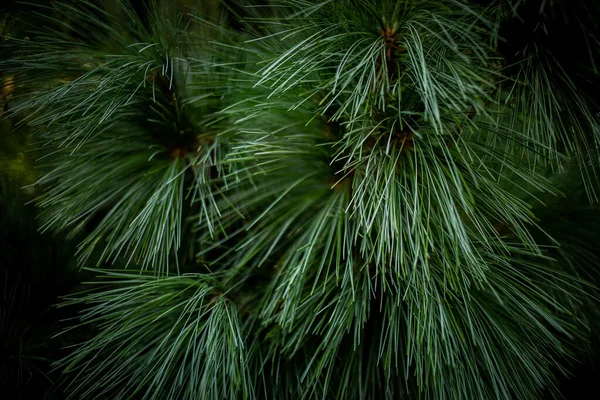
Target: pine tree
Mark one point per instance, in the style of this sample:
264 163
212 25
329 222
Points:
319 199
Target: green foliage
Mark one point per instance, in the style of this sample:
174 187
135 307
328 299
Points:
175 337
86 104
340 200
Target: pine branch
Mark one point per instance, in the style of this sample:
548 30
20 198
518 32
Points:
173 337
365 187
137 101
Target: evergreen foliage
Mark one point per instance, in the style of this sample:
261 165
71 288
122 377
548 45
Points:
318 199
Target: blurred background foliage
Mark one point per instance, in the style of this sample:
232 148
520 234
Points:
35 268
